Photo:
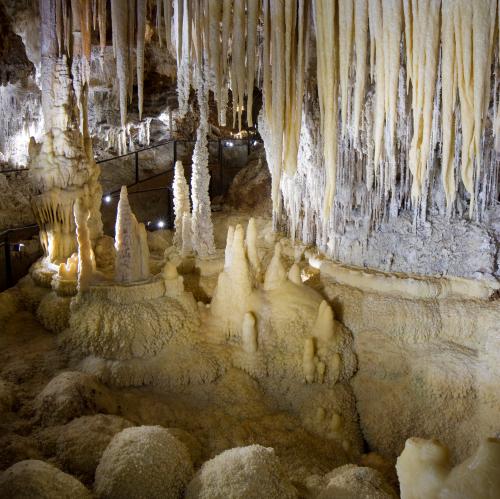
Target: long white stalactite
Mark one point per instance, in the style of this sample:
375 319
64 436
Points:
403 87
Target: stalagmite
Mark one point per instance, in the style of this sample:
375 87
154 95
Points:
324 326
182 205
234 285
294 274
275 272
202 228
141 31
132 253
308 364
187 236
249 333
239 269
251 246
86 262
229 247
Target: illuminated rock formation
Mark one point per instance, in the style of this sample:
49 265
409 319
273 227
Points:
182 205
132 252
425 471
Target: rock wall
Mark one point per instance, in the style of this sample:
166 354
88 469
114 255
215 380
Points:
427 367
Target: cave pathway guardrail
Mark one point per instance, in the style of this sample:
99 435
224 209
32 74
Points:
15 263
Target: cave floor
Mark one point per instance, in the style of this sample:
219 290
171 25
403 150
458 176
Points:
233 411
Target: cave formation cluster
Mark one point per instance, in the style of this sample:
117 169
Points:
249 356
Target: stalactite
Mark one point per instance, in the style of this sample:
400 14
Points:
238 60
361 40
167 18
278 101
252 18
159 4
266 61
295 35
426 29
214 53
131 44
346 13
85 27
327 89
448 75
226 32
141 30
120 44
102 26
379 142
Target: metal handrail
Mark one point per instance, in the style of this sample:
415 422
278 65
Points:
5 235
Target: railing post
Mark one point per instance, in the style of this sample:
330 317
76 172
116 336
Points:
8 262
248 147
175 152
136 158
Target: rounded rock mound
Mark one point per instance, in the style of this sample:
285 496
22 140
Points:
33 478
143 462
251 472
356 482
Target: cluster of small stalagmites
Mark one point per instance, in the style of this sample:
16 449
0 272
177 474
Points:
324 330
241 293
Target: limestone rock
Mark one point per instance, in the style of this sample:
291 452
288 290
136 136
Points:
251 472
143 462
33 478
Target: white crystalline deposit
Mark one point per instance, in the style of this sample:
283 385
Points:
132 253
145 461
251 472
425 471
201 219
182 204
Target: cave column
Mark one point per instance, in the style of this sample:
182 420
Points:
62 165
